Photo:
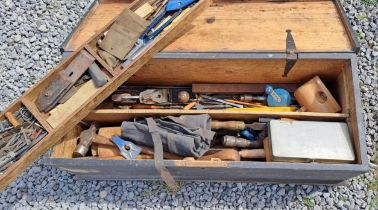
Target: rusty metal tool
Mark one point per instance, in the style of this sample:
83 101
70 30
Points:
245 103
50 97
199 106
149 96
250 98
232 141
221 101
127 149
86 138
147 106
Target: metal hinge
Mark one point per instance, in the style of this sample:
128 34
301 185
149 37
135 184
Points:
291 53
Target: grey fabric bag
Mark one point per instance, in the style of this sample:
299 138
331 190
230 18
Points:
187 135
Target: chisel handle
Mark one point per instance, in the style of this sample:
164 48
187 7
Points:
252 153
190 105
227 125
12 120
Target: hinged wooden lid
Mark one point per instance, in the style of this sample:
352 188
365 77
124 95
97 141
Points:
248 26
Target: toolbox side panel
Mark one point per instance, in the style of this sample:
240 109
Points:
244 172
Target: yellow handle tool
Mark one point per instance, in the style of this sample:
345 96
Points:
270 109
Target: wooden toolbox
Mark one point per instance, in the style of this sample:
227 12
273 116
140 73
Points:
236 42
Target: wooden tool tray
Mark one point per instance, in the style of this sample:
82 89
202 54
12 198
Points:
238 42
88 97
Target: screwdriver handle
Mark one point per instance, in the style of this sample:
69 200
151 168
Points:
227 125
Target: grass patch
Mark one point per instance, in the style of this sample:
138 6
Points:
358 35
373 185
362 16
161 186
32 79
369 2
309 202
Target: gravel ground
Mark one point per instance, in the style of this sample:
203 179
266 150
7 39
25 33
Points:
31 32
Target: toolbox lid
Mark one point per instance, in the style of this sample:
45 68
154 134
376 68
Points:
246 26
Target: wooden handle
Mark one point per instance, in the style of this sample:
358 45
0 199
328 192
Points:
224 154
190 105
227 125
12 120
252 153
98 139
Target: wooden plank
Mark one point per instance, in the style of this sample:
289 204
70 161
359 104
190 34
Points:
189 71
236 25
238 88
94 100
249 26
119 115
108 132
62 111
65 148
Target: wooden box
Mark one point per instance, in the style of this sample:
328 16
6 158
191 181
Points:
237 41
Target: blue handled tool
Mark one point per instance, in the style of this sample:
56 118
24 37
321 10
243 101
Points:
247 134
127 149
277 96
173 6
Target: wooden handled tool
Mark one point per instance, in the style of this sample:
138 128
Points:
257 153
12 120
222 154
252 153
236 125
227 125
232 141
190 105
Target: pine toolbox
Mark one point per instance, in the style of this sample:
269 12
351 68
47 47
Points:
238 42
234 46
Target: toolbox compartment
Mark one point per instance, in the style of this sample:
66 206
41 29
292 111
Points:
230 45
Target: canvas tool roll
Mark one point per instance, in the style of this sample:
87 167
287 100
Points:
187 135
